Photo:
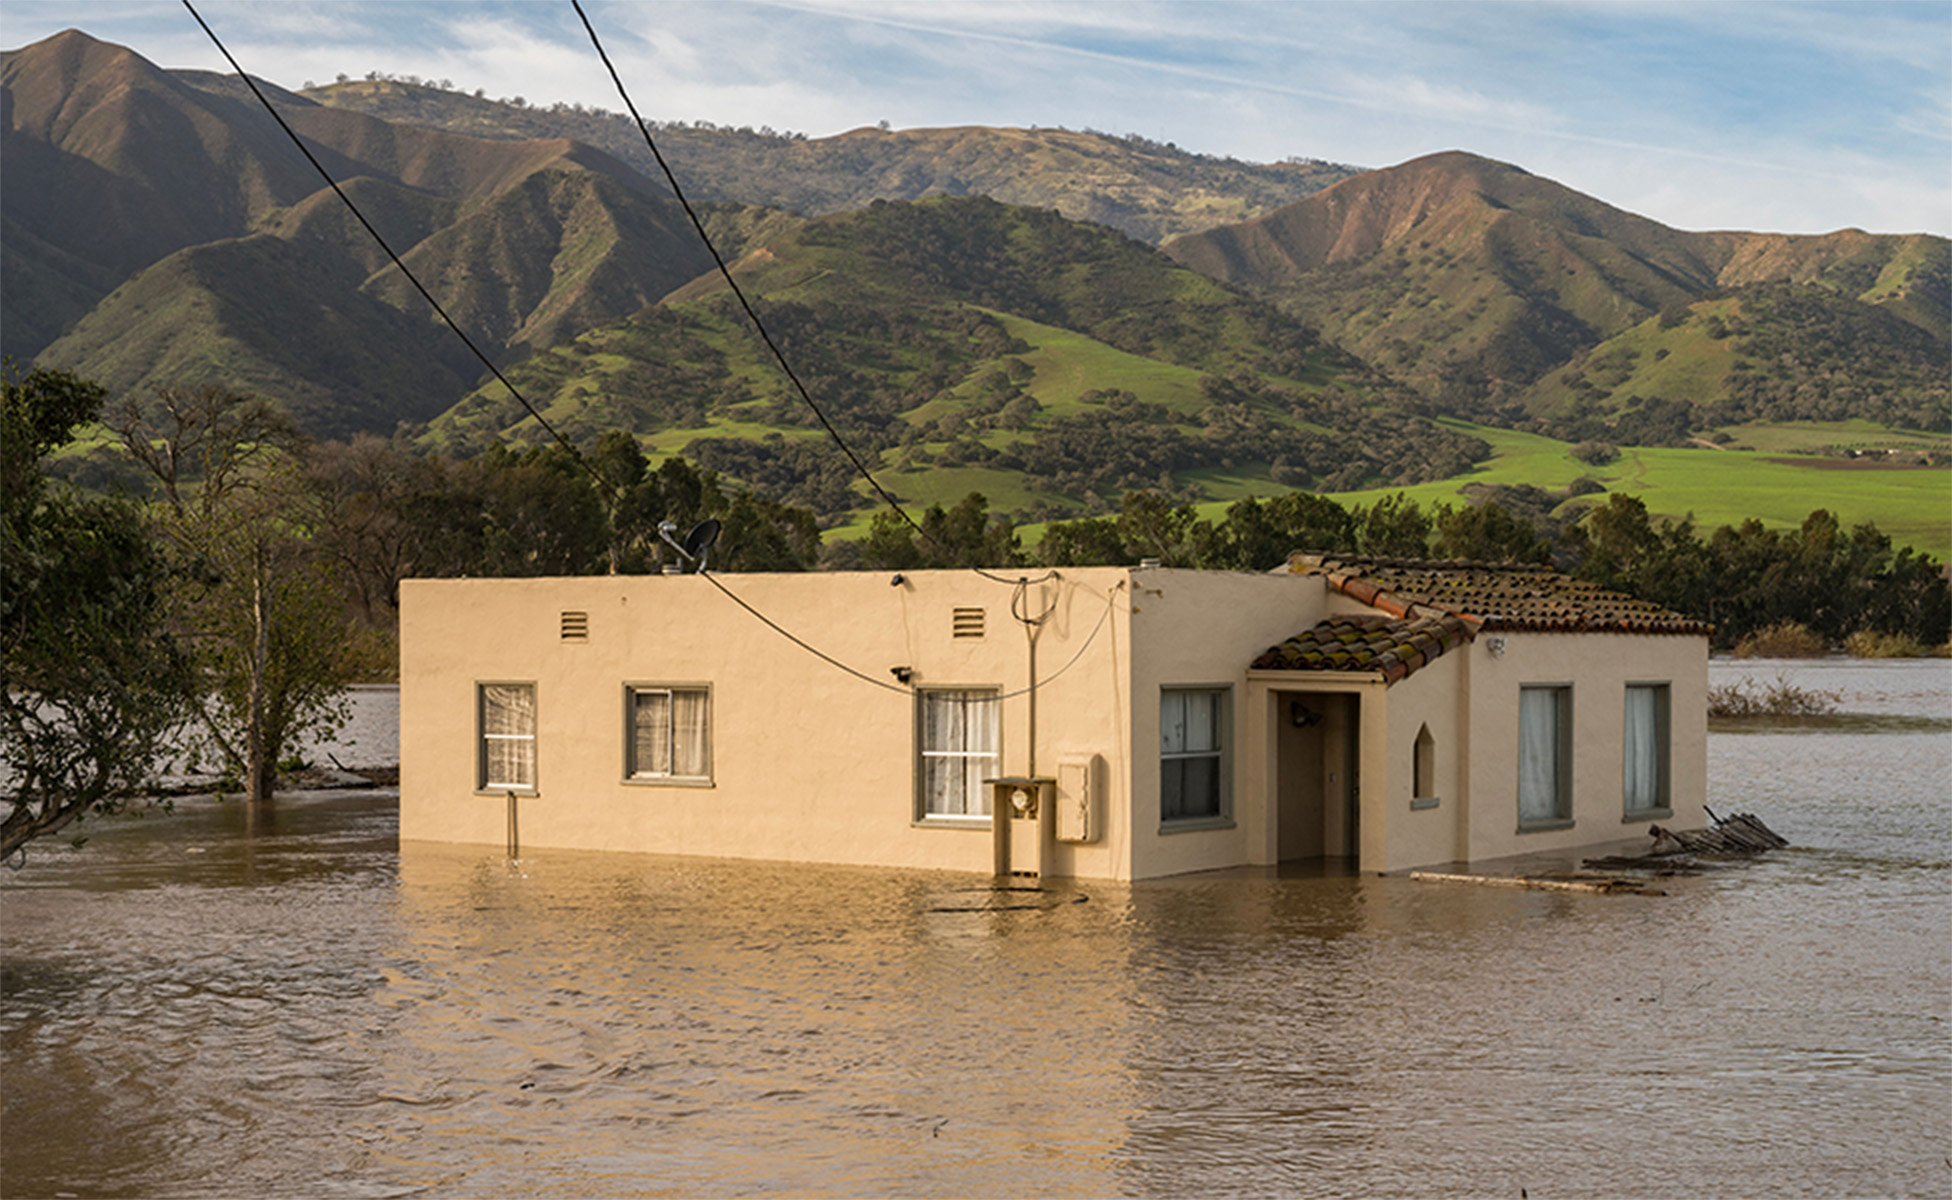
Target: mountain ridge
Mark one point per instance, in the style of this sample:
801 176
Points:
132 167
1145 189
1474 279
967 341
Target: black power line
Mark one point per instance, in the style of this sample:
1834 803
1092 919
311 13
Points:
575 454
566 444
751 315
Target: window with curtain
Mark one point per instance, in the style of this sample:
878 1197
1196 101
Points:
1645 744
959 745
506 758
1192 763
1544 755
670 733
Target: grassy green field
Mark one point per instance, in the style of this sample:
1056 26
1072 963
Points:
1067 364
1793 436
1913 505
1725 487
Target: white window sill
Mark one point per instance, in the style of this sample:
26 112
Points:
677 781
1545 826
1420 803
947 822
1647 814
1195 824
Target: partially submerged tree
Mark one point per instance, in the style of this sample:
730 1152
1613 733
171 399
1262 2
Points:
92 681
265 613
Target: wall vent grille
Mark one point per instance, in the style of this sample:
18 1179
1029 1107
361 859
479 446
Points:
967 622
576 627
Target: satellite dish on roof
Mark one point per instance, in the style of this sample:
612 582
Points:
697 543
701 539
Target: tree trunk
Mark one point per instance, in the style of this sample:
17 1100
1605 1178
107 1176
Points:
258 771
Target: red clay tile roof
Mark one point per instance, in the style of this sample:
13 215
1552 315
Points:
1393 646
1496 597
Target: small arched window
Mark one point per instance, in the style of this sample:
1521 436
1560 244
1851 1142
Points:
1424 772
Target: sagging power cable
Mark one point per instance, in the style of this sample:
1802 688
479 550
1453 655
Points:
906 690
459 332
576 455
752 315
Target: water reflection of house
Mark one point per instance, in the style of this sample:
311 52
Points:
1135 722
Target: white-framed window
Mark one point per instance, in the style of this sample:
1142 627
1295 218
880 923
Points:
505 716
1544 755
1192 754
1645 749
668 734
959 744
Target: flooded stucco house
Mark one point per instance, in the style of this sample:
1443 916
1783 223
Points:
1126 722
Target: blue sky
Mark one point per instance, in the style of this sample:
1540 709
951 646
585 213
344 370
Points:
1799 117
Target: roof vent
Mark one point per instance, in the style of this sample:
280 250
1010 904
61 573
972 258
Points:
576 627
967 622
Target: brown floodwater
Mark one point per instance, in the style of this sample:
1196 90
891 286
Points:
217 1004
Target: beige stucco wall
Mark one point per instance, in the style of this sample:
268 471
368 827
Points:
1469 700
1202 628
1434 697
812 764
808 763
1599 667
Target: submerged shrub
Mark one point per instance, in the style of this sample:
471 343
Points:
1784 639
1872 643
1778 698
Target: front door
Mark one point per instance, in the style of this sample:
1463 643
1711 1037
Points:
1316 777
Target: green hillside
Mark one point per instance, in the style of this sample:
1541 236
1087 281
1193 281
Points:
1764 352
1461 275
249 314
964 344
963 304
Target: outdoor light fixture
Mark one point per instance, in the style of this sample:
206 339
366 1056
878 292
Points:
902 674
1496 645
1304 716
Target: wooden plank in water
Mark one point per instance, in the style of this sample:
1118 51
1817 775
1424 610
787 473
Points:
1605 887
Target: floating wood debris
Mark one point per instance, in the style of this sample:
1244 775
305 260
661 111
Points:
1739 836
1606 885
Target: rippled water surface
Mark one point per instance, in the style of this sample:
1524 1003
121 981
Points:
220 1004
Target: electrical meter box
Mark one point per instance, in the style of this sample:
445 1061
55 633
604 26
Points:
1079 811
1021 809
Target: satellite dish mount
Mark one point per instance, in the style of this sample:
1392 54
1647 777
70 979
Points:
697 546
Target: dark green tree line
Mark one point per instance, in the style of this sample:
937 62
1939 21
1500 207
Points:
1742 578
